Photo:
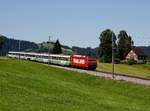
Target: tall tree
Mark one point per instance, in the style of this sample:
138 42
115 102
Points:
125 44
105 47
2 40
57 48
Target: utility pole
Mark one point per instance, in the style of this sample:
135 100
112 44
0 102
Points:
113 76
49 51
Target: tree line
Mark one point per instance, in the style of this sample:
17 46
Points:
123 43
8 44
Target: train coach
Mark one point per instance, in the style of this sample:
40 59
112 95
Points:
77 61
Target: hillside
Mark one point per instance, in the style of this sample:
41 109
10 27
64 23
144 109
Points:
146 49
28 86
85 51
13 44
44 47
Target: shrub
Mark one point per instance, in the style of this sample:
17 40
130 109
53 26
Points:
131 62
105 59
117 60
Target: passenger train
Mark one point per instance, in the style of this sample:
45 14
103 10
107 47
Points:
77 61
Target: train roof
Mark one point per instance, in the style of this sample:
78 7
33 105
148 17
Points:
79 56
83 56
40 54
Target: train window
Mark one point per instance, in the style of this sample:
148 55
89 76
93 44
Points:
50 57
63 58
58 58
66 59
55 58
46 57
92 60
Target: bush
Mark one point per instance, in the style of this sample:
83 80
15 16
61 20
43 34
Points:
148 60
117 60
109 60
131 62
105 59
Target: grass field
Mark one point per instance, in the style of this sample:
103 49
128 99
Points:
142 70
28 86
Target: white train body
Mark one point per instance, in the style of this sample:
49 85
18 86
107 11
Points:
42 57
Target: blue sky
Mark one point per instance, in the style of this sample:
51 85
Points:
74 22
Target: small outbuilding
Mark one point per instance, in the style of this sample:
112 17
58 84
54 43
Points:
136 54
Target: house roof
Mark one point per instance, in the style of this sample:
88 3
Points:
138 51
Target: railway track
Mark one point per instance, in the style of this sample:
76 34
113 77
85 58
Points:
56 58
128 78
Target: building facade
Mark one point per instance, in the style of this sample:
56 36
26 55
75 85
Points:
136 54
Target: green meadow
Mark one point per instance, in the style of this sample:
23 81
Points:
29 86
141 70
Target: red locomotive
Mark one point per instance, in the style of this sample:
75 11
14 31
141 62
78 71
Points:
84 62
